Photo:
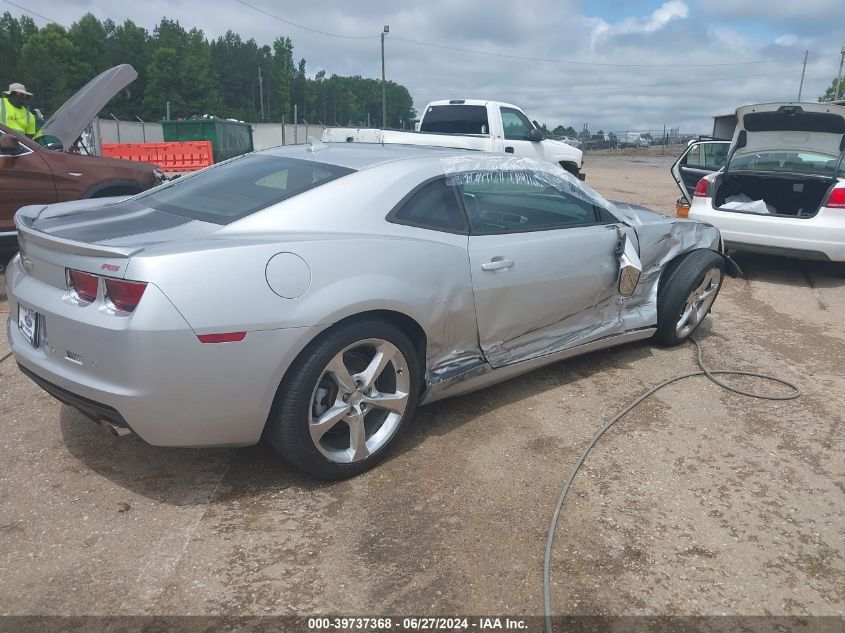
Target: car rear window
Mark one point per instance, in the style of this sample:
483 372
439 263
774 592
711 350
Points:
240 187
456 119
789 162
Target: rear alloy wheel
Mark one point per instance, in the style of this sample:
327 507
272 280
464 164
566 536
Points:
345 399
687 294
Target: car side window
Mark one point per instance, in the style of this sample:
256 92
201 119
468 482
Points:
516 124
708 156
433 206
516 202
10 146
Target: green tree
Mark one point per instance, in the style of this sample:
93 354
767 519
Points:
200 88
281 76
831 89
53 71
164 83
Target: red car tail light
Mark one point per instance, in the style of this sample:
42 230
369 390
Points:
702 189
124 295
83 284
836 198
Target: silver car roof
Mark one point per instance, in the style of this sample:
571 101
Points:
360 156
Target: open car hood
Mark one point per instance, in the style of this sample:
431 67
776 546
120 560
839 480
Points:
807 127
70 120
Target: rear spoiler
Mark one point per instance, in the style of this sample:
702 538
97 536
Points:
25 231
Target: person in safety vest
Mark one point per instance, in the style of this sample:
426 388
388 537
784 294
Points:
13 111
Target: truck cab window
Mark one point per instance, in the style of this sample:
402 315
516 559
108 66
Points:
516 124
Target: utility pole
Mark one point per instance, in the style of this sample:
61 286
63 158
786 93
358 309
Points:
839 74
261 92
383 87
803 70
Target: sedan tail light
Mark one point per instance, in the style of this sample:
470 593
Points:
702 189
124 295
84 285
836 198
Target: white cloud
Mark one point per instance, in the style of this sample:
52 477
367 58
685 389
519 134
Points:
789 40
659 18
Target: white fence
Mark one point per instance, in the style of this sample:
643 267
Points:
264 135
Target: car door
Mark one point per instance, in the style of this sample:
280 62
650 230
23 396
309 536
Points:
516 131
543 263
699 159
25 178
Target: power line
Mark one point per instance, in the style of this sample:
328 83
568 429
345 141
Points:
37 15
510 56
584 63
307 28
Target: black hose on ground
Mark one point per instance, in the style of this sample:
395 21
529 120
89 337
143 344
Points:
5 357
705 371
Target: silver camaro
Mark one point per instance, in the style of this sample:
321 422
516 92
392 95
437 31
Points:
317 294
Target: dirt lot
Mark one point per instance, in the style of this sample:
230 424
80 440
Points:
700 502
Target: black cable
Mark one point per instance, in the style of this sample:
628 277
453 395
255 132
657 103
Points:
709 373
5 357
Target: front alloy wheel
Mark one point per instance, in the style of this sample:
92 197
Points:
698 303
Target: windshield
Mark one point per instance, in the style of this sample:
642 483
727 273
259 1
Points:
240 187
792 162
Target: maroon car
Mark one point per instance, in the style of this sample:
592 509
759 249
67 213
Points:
32 173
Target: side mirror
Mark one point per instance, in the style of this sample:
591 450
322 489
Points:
535 135
630 267
56 146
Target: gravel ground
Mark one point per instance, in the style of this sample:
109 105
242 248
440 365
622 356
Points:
700 502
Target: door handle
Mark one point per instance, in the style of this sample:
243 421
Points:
509 149
497 263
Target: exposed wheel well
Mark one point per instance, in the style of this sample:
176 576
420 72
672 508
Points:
405 323
571 167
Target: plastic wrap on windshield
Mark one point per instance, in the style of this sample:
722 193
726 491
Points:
483 168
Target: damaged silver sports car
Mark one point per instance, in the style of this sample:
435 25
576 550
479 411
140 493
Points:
315 295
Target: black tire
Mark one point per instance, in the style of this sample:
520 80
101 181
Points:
675 288
288 424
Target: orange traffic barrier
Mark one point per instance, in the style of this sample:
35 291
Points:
185 156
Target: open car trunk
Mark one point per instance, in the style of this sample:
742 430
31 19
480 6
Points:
789 195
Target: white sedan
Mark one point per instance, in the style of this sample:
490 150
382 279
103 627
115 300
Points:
780 184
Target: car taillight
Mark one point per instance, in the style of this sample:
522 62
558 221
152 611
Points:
702 188
124 295
836 198
84 285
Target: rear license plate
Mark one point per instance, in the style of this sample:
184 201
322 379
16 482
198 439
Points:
28 323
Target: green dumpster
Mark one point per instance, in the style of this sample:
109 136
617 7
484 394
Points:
228 138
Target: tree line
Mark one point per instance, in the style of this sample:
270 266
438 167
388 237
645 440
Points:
196 75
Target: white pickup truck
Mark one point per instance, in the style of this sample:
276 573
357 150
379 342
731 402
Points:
489 126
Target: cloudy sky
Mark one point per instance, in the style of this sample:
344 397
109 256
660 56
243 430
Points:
613 64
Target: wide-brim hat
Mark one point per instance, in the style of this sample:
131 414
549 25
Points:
17 88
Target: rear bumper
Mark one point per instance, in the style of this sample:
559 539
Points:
94 410
820 237
149 371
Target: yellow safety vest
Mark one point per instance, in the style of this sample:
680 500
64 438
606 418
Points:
19 119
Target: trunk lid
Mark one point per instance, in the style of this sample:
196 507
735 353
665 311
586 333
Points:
806 127
71 119
96 236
